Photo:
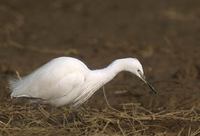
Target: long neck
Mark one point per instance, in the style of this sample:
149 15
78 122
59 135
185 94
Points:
106 74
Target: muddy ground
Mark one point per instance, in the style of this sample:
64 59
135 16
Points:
163 35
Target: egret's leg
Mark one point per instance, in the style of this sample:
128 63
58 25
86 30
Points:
74 115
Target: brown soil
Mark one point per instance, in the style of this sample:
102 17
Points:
163 35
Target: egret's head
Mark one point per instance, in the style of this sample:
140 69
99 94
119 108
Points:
134 66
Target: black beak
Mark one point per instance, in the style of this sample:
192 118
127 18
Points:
149 85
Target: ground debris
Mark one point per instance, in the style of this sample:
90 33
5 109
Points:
130 120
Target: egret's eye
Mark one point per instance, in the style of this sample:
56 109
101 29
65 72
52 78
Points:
139 72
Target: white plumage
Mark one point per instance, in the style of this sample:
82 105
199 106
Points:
67 80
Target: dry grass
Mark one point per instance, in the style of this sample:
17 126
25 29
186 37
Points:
131 119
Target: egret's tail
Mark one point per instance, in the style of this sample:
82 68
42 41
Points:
12 84
15 86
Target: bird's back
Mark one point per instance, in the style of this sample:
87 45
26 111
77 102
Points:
41 83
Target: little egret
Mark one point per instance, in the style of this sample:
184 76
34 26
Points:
68 81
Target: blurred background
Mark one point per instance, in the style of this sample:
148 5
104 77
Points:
163 35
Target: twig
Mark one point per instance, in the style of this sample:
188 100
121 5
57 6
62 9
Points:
108 104
18 75
119 126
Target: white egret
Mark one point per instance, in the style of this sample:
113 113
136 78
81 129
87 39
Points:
68 81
